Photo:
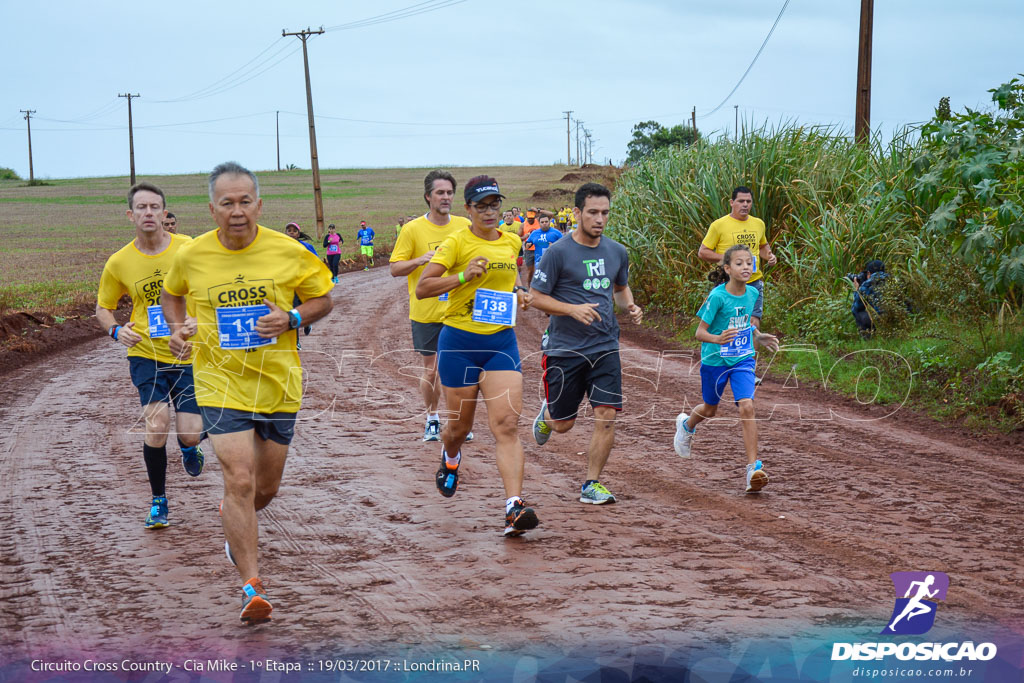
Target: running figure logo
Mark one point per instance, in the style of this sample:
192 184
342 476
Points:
914 613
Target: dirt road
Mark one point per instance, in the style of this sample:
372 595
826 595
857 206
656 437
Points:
360 553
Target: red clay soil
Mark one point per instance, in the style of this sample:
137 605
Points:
360 551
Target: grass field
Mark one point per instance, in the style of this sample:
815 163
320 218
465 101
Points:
54 239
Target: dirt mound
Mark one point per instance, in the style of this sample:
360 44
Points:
593 173
555 196
27 337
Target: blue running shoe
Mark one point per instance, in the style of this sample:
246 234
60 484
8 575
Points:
192 459
157 518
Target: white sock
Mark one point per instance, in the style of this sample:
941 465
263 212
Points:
512 501
453 461
433 417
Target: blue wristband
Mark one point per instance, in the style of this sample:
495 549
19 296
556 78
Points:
117 329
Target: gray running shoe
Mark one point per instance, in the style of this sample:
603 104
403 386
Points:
541 429
596 494
683 438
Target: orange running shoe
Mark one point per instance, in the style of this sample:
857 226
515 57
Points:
256 608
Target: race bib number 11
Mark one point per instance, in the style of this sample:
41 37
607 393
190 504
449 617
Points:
494 307
236 327
158 326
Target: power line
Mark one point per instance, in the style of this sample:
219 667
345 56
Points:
244 75
394 15
417 123
754 61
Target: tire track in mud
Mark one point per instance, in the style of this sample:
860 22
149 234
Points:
359 548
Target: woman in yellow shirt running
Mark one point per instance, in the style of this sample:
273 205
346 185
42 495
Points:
477 349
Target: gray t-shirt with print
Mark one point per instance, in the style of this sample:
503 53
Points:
576 274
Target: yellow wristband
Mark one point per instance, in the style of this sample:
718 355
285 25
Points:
462 278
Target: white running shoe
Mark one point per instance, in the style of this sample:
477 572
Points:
757 478
683 438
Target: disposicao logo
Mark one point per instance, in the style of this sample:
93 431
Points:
914 614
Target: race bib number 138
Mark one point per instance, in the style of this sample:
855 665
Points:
494 307
236 327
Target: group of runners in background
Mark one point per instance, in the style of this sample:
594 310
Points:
227 303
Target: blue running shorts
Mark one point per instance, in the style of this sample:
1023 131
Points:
461 355
740 378
164 382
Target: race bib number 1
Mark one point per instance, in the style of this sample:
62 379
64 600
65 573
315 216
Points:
158 326
494 307
741 345
236 327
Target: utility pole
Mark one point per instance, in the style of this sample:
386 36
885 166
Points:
693 116
578 124
568 138
28 120
277 128
131 138
736 126
587 146
317 195
862 118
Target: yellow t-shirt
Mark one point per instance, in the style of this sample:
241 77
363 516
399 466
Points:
456 252
417 238
265 379
512 227
129 271
727 231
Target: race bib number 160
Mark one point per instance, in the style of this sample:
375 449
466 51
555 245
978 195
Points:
236 327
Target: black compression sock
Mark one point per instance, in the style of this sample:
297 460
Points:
156 467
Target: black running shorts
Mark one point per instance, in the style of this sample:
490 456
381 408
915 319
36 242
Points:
568 379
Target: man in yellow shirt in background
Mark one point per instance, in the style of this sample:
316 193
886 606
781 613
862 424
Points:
739 227
413 250
248 374
138 269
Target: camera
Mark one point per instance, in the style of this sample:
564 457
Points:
862 276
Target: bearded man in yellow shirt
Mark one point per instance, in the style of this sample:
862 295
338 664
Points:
248 376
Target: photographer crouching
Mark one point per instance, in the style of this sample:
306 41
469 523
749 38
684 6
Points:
867 299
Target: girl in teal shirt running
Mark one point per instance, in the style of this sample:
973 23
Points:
727 357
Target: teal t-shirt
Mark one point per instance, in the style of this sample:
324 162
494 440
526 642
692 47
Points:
723 311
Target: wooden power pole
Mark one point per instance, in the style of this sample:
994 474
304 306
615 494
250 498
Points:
277 128
317 195
28 120
131 138
862 118
568 139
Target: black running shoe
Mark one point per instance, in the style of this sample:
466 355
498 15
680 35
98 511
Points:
520 519
447 478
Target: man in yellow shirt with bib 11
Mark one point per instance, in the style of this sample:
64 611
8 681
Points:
247 371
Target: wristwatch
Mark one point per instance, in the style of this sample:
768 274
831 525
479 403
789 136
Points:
294 319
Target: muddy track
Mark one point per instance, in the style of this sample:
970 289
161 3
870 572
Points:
360 551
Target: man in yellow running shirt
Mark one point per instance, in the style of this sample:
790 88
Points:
138 269
739 227
248 375
413 250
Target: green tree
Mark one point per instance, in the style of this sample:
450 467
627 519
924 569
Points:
8 174
649 136
971 186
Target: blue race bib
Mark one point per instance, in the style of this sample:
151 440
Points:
158 326
741 345
495 308
237 327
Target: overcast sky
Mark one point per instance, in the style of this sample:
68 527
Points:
464 82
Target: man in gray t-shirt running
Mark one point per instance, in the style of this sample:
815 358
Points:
579 282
